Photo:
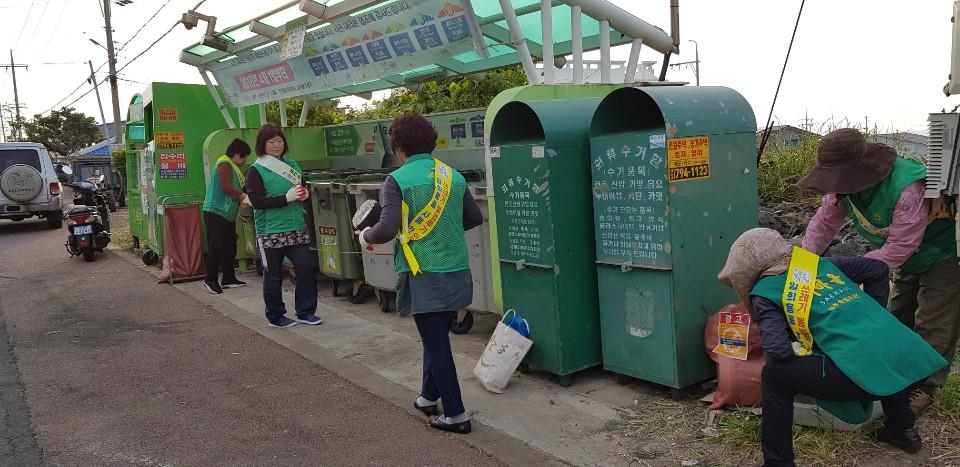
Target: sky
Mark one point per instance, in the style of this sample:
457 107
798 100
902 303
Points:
875 63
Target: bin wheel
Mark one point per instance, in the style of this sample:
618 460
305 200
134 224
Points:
623 380
563 380
677 394
335 286
384 298
524 368
463 323
359 292
150 258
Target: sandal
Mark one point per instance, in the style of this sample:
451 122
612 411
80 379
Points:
440 424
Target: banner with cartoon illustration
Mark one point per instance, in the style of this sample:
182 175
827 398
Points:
396 37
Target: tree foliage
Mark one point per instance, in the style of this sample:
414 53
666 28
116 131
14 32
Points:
63 131
444 95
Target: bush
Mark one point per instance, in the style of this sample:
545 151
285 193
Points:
119 159
781 168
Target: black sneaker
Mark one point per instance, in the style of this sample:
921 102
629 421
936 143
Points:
212 287
908 440
283 322
309 319
232 283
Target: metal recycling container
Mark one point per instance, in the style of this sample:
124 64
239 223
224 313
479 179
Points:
379 270
674 184
540 157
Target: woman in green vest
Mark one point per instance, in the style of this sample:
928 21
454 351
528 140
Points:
429 204
223 199
277 196
826 337
883 194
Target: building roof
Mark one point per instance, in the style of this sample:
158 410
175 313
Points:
904 136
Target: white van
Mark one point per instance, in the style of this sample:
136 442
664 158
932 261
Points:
28 184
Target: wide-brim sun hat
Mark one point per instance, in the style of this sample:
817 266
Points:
847 163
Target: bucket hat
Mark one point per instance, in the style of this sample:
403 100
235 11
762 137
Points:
847 163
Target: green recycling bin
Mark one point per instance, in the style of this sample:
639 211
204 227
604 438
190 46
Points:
674 184
540 158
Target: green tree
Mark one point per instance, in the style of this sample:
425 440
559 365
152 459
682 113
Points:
320 114
444 95
64 131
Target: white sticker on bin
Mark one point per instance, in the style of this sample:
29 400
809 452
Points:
495 151
658 141
538 152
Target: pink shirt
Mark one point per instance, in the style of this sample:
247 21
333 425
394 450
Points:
905 233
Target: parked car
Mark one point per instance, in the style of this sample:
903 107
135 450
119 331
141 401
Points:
29 186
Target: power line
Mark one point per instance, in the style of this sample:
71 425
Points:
766 129
25 20
156 41
53 31
143 27
86 93
46 3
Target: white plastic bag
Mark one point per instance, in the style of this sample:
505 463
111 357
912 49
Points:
501 357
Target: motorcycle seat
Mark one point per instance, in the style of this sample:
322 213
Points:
81 209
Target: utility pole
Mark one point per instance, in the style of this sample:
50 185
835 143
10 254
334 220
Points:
112 62
16 97
96 89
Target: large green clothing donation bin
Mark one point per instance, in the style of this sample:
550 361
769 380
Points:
674 184
540 160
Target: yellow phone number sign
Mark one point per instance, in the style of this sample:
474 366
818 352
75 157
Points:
688 159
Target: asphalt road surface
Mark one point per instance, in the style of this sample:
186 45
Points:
102 366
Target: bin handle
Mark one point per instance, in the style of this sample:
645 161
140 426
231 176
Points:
629 266
522 264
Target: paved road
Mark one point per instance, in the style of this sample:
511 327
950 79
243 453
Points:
116 370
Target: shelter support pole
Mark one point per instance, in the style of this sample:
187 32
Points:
631 74
216 98
520 42
307 103
577 28
283 112
263 113
546 18
605 51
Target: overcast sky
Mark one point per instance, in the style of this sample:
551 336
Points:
881 60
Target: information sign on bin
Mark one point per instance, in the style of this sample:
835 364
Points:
540 159
674 184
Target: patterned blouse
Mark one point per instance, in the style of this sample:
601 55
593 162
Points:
283 239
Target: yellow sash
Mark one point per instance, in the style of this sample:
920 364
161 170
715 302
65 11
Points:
425 220
236 170
798 296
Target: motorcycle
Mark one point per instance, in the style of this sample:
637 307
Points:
88 222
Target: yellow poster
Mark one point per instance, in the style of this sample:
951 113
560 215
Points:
734 332
688 158
169 139
167 114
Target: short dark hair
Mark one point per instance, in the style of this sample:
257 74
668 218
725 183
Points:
412 134
266 133
238 146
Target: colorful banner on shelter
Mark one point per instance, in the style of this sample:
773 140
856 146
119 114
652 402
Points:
397 37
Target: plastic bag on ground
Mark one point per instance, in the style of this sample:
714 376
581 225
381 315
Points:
738 381
502 356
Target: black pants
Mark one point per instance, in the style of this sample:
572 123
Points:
820 378
439 370
305 294
221 247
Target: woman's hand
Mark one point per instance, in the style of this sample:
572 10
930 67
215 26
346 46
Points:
297 193
363 242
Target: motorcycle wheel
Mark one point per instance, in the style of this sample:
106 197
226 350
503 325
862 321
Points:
88 255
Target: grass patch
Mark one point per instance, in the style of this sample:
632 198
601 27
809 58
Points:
949 400
781 168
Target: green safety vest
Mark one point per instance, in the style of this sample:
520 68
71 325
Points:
289 218
876 205
445 248
863 339
216 200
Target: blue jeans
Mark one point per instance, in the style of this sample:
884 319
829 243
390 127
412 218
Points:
439 371
305 296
